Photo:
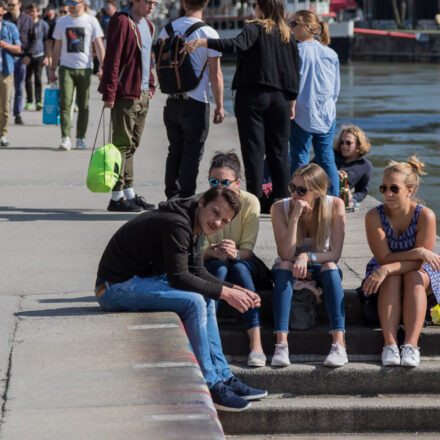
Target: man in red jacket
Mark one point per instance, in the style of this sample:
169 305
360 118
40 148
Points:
127 85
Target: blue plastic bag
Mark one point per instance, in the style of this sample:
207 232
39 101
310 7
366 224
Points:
51 107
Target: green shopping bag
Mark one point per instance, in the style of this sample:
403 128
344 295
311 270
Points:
105 164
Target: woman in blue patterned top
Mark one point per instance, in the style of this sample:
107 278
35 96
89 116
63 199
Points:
401 234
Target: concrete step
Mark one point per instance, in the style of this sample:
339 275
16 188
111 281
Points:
354 378
318 435
360 340
286 413
353 310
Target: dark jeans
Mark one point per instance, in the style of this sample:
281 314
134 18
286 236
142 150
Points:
128 119
19 75
264 127
187 124
35 67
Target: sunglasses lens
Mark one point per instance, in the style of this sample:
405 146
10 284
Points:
394 189
213 182
382 188
225 182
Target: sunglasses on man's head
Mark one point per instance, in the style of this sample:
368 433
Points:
348 143
393 188
73 2
300 190
223 182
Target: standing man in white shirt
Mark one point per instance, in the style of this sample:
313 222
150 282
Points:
74 35
186 116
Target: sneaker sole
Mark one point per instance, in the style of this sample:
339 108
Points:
279 364
409 365
329 364
391 364
64 148
227 408
256 363
255 397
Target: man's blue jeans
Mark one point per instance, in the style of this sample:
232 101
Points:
239 273
330 280
300 141
199 319
19 77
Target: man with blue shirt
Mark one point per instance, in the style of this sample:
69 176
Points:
127 85
10 45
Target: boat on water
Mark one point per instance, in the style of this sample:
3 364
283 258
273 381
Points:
228 17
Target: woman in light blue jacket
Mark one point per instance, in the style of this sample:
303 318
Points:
315 110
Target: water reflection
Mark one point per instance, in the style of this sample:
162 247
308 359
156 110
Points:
398 106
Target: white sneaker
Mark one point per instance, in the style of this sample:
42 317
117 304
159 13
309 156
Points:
410 356
337 356
256 359
80 144
4 141
65 144
281 356
390 355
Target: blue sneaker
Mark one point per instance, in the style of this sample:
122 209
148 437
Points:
225 399
244 391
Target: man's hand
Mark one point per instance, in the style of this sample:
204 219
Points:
109 104
3 44
219 115
150 95
229 249
238 298
26 60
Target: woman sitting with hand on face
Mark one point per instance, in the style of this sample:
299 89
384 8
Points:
401 234
309 229
228 252
350 148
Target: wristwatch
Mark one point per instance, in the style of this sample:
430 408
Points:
237 258
312 257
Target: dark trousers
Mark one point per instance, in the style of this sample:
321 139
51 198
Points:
19 76
264 128
187 124
128 119
35 67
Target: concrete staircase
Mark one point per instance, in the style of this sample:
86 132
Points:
307 397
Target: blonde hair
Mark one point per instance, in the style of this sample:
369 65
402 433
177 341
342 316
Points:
363 145
316 180
318 28
412 169
273 18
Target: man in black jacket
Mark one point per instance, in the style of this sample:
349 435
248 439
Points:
154 262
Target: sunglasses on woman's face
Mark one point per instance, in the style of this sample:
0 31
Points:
223 182
294 23
348 143
393 188
300 190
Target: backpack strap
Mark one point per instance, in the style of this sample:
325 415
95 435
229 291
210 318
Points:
193 28
169 29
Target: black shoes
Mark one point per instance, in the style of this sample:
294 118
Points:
123 205
18 120
140 201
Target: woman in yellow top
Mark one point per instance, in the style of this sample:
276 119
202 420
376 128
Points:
228 252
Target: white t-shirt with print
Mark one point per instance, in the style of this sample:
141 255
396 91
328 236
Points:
77 35
199 56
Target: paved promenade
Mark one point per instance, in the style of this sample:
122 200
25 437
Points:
63 363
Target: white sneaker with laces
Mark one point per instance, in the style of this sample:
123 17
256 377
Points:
410 355
80 144
4 141
281 356
65 144
390 355
337 356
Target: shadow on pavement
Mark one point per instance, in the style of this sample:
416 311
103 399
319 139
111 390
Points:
91 298
28 214
65 311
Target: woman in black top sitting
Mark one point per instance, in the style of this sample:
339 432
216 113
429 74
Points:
350 148
267 82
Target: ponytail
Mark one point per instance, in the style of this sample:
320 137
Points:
324 37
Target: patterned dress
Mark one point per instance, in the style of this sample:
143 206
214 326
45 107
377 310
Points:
404 242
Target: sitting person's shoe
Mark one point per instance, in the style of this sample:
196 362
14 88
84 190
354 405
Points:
80 144
256 359
39 106
4 142
123 205
410 355
281 356
140 201
226 399
337 356
65 144
243 390
390 355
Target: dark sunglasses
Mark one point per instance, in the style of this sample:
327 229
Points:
223 182
349 143
393 188
294 23
300 190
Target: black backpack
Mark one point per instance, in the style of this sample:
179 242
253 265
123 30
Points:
174 69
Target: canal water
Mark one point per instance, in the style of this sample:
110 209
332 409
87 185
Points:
398 106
